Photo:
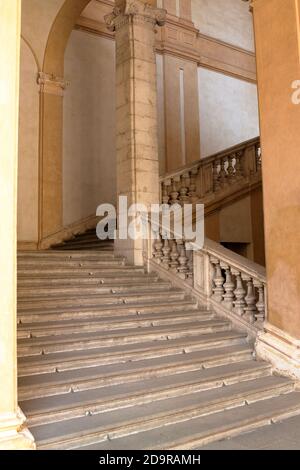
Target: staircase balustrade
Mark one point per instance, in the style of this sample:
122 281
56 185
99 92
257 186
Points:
216 176
224 280
231 284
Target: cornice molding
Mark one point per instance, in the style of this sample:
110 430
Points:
182 40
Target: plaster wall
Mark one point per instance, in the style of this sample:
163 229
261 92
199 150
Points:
89 162
228 111
229 21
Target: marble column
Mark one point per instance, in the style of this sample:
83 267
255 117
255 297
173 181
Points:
277 33
13 434
135 22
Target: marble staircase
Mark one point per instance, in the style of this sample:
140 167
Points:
111 357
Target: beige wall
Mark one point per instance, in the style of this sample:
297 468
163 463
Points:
227 20
89 165
240 222
28 147
278 60
228 111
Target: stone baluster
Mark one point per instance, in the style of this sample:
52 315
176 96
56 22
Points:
228 297
239 292
174 256
216 176
158 245
250 309
238 165
166 259
258 157
174 194
190 256
223 174
165 195
218 281
230 169
192 192
260 306
184 198
183 261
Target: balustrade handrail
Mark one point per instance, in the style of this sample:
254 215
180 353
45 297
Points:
206 160
233 259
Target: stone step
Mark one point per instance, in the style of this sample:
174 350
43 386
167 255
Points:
111 280
69 342
36 293
82 245
59 255
52 362
99 300
40 329
87 236
70 263
75 380
92 240
77 312
77 272
105 427
207 429
109 398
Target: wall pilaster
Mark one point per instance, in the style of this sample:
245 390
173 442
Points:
51 144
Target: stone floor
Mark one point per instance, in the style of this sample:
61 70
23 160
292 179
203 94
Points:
278 436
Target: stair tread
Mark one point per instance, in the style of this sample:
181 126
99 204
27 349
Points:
181 436
143 306
123 368
53 282
164 329
81 245
105 268
107 395
98 299
180 345
149 317
88 281
42 292
103 424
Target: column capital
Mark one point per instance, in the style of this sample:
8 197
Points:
51 84
134 9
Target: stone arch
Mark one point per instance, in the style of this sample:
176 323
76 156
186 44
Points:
59 35
51 121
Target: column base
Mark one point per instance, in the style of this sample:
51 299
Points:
281 349
13 434
131 249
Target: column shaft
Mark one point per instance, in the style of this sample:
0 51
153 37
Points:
136 98
12 433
